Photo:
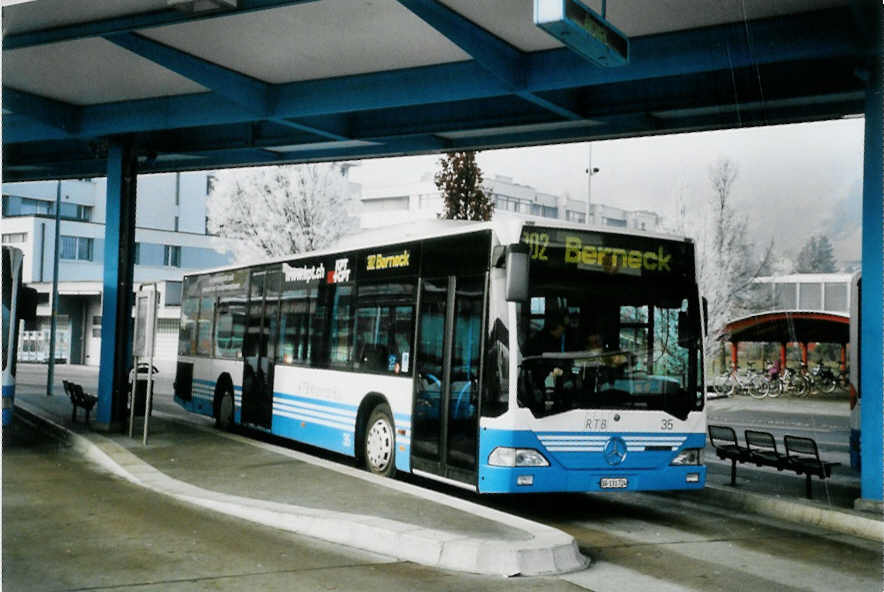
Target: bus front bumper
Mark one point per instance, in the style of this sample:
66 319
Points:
551 479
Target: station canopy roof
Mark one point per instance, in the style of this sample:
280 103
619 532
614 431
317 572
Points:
209 84
795 326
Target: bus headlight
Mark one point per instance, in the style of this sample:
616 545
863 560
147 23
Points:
688 456
516 457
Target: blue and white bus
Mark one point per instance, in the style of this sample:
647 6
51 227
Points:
19 303
499 357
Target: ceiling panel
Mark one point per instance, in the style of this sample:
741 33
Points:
323 39
89 71
46 14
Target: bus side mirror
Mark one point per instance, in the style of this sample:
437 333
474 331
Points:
26 307
517 273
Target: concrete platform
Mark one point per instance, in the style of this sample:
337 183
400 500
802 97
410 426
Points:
282 488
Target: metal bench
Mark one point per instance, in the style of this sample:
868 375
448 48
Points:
763 450
79 399
803 457
724 440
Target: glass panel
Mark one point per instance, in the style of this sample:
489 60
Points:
205 325
84 250
810 296
611 345
67 249
187 333
462 412
836 297
383 330
341 334
230 331
294 326
784 296
427 407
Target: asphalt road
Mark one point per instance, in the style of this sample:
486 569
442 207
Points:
68 527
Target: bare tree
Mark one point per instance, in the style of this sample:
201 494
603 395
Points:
281 210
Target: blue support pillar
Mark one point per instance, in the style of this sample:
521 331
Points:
872 354
116 311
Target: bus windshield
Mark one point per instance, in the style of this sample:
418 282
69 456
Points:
612 343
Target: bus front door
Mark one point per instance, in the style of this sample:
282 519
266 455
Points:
445 411
259 355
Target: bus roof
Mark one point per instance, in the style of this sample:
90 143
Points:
508 229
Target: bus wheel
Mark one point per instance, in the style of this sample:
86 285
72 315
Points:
380 442
224 418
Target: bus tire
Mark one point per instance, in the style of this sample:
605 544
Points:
224 415
379 444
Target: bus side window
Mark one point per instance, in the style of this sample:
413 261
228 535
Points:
205 325
294 325
383 328
187 334
231 326
341 335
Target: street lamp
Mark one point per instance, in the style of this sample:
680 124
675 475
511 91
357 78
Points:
590 171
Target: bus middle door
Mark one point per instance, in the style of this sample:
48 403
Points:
259 350
445 409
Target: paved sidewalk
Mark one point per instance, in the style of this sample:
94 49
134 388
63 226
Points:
290 490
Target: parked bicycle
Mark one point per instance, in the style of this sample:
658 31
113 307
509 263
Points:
739 381
823 379
785 381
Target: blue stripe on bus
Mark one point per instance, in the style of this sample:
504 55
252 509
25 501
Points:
313 421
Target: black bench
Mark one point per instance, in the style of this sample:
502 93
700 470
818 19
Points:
724 440
803 457
79 399
763 450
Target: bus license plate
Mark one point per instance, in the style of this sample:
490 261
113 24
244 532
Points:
614 483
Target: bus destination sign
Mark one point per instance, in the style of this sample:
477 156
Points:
609 253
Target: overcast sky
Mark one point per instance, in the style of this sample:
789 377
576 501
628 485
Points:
792 180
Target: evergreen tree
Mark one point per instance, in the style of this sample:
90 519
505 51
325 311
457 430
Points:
816 256
460 180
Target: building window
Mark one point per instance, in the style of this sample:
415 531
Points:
14 205
549 212
176 223
574 216
75 248
15 237
137 254
210 183
172 256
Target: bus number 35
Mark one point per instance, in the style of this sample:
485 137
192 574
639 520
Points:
537 244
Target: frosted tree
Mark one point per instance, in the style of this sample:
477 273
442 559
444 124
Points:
726 260
816 256
281 210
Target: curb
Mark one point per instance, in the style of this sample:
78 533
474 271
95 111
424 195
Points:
832 520
547 552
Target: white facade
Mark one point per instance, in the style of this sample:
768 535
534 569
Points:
400 204
170 239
